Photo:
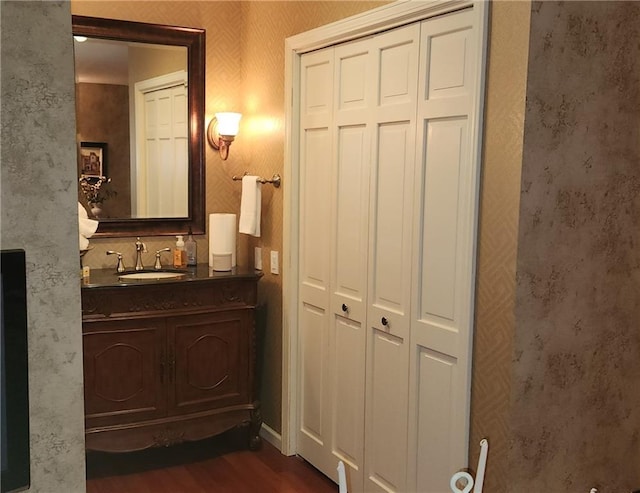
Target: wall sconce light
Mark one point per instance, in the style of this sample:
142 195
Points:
222 130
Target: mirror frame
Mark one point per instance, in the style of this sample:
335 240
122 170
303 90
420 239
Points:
194 40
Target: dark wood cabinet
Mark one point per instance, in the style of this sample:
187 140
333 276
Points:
169 362
212 367
122 371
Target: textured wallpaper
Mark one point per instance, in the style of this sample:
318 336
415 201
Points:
498 237
39 211
93 124
575 392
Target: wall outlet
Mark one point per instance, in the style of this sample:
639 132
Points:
257 258
275 264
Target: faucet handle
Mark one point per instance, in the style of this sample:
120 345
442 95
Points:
158 265
120 265
140 246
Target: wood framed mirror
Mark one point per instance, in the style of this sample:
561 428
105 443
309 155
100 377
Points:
147 193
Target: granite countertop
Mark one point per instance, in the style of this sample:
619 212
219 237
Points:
200 273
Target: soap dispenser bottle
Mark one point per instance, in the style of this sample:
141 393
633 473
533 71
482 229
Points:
179 254
191 246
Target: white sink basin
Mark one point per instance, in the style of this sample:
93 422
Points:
150 276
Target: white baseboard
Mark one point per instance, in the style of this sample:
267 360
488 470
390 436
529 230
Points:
268 434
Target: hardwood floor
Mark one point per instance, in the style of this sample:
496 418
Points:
221 464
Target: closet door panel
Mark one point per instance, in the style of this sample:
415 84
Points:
316 95
387 397
397 68
350 221
393 155
390 235
353 123
349 285
449 46
348 396
315 219
436 422
313 382
446 143
389 285
445 191
353 62
314 352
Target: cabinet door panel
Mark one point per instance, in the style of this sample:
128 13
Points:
210 361
123 371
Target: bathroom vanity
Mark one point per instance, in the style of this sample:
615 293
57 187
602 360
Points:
169 360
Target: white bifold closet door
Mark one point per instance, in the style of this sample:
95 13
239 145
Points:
386 231
445 216
395 65
334 192
163 171
315 345
357 152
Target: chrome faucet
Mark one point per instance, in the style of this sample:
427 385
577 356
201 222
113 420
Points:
158 265
120 265
140 249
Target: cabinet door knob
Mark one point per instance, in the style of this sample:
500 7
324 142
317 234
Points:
345 308
384 321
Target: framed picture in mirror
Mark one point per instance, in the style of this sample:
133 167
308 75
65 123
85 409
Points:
93 159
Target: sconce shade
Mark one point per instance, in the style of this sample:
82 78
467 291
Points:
228 123
222 131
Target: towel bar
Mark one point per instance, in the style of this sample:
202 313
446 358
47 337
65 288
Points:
275 179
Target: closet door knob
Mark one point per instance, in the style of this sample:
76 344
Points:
384 321
345 308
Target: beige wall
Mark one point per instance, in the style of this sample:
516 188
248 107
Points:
498 236
94 124
244 72
146 62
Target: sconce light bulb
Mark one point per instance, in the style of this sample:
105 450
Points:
228 123
222 131
80 39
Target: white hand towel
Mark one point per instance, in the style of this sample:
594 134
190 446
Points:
250 206
83 242
82 212
87 227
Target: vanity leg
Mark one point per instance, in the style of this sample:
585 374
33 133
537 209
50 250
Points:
255 441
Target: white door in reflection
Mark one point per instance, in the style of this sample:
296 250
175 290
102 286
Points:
160 169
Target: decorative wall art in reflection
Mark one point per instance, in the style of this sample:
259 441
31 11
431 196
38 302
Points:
93 159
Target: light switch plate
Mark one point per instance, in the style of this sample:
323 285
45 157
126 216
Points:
275 264
257 258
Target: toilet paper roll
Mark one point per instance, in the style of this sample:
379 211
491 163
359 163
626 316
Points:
466 478
222 236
